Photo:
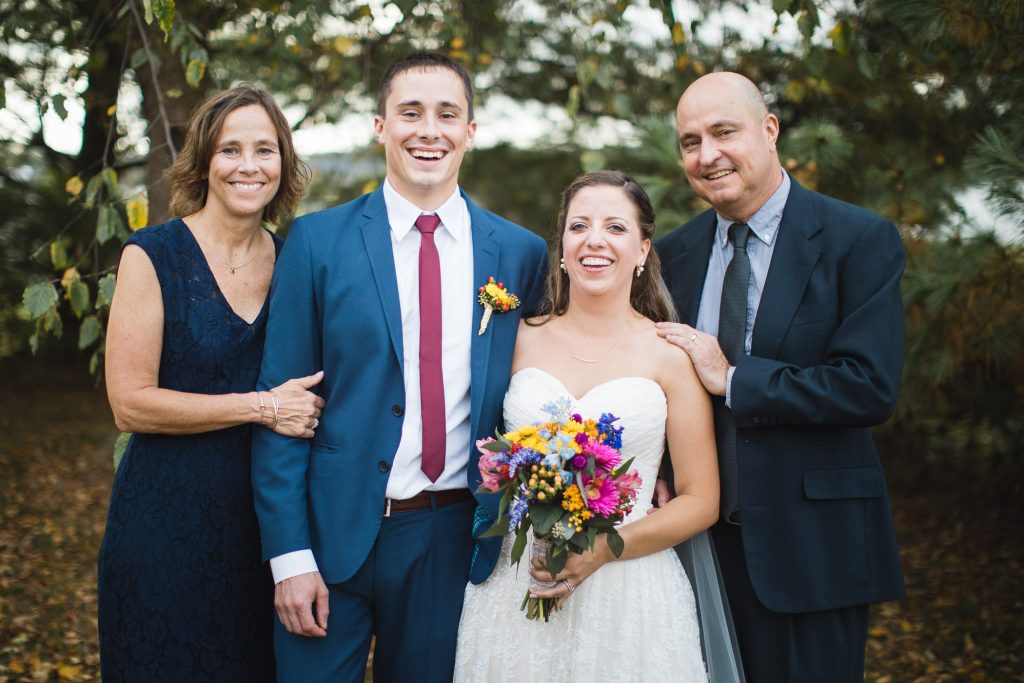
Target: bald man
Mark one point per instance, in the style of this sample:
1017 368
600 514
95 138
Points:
795 325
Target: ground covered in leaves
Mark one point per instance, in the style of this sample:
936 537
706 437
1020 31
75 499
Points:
958 518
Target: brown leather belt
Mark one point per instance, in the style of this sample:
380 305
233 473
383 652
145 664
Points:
426 499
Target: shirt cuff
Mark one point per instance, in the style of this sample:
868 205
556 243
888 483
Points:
728 386
292 564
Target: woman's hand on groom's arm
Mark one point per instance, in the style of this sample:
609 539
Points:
302 604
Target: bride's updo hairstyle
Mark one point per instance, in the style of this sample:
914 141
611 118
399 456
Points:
649 296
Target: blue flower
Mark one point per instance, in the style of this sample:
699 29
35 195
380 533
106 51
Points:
516 511
611 435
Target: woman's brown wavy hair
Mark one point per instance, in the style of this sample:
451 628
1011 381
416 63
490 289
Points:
187 176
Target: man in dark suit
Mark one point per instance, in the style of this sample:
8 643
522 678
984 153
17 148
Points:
371 522
795 326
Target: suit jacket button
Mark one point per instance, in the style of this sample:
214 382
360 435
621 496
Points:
383 466
397 410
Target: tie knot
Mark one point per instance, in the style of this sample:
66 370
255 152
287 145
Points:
427 223
738 234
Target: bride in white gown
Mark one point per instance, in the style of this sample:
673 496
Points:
633 618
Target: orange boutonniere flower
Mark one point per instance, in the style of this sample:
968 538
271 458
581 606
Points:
495 298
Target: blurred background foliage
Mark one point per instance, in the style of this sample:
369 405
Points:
908 107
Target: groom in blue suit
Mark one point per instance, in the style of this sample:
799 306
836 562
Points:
370 525
796 329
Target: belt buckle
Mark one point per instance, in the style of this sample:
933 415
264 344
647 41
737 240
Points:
387 507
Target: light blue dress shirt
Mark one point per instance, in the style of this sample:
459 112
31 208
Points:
764 226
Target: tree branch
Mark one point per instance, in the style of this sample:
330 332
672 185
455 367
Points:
156 81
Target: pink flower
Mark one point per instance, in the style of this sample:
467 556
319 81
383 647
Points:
628 484
490 471
602 495
606 457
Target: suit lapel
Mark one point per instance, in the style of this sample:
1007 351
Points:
689 268
792 262
485 265
377 237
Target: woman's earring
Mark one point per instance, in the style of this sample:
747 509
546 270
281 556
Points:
639 269
561 263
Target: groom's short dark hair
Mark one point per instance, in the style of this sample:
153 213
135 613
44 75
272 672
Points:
422 61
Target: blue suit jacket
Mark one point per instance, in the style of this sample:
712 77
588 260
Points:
334 306
824 366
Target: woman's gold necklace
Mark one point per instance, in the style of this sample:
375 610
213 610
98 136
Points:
228 263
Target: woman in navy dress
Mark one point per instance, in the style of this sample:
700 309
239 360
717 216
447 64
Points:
183 593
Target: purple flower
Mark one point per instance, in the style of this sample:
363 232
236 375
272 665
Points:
579 462
577 417
582 438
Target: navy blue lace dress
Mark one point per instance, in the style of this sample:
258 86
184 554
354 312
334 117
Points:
183 594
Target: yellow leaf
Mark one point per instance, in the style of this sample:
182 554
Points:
457 43
111 109
343 44
74 186
16 666
698 67
137 209
67 671
877 632
906 626
70 275
370 185
678 36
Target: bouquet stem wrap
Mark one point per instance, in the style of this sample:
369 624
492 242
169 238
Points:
539 608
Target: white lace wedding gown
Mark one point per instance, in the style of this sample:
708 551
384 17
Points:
632 620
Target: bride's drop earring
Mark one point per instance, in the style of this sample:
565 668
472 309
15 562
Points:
561 264
639 269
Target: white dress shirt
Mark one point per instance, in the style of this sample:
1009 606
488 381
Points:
454 241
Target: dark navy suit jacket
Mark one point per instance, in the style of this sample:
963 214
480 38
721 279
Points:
334 306
824 367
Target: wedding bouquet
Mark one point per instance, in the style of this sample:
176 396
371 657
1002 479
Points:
563 477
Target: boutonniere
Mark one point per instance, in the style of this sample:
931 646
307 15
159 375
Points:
495 298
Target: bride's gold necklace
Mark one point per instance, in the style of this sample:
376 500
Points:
608 347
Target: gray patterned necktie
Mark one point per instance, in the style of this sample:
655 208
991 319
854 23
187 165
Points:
732 331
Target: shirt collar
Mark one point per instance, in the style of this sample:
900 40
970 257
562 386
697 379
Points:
402 213
764 224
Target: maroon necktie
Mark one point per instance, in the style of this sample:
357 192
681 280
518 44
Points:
431 376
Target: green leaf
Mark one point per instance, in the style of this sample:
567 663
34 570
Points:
519 545
89 332
139 58
120 446
544 517
109 224
3 94
868 65
60 106
496 446
58 255
105 290
781 6
556 559
147 8
814 60
615 543
109 176
51 323
94 362
194 72
40 299
92 190
78 295
164 12
591 536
